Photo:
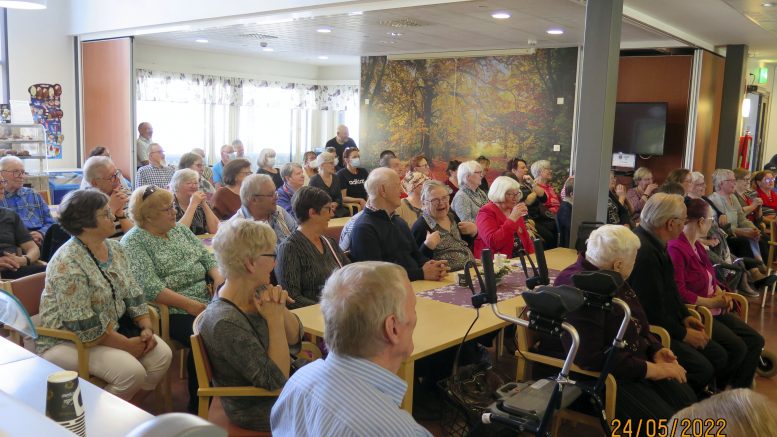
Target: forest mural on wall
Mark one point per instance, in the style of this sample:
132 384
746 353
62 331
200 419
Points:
459 108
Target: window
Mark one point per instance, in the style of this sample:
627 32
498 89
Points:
4 93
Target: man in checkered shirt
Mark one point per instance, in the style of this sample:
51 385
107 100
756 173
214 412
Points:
157 172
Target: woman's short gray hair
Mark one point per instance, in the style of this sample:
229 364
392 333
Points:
239 240
697 177
426 191
500 187
746 412
263 155
642 173
288 169
466 168
358 298
252 185
538 166
659 209
181 177
720 175
609 243
325 157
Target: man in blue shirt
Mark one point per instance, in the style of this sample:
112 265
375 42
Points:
227 154
30 206
369 318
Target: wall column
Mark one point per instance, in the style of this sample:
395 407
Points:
733 90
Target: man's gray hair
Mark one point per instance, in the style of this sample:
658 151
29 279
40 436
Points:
181 177
720 175
252 185
659 209
466 168
609 243
5 160
288 169
357 299
538 166
93 165
377 178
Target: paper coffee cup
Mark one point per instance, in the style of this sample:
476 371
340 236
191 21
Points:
63 401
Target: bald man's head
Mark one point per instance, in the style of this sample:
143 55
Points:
384 188
145 130
342 133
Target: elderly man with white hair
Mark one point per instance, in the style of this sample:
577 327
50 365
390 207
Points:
381 235
470 198
100 174
356 391
191 207
24 201
744 236
258 200
651 383
157 172
663 219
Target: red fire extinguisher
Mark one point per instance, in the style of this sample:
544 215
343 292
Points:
745 141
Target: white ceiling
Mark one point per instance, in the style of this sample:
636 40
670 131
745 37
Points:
468 26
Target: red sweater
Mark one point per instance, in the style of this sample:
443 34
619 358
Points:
770 198
496 232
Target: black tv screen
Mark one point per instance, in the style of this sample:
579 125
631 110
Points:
640 128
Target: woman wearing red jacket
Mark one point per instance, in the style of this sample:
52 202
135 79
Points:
764 186
500 222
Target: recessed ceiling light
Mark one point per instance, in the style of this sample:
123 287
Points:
769 4
555 32
394 34
355 13
201 40
268 49
324 30
23 4
501 15
323 57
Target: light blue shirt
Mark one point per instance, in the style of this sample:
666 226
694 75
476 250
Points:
343 396
217 170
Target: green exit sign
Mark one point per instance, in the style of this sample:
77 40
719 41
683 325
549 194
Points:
763 75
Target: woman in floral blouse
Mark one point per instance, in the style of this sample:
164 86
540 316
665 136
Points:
89 287
171 265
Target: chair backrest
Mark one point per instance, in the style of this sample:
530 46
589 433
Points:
28 290
201 361
334 232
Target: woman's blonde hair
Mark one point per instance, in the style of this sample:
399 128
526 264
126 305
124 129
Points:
141 210
738 412
238 240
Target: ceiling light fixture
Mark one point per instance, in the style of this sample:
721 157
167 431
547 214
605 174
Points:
324 30
201 40
23 4
394 34
268 49
323 57
769 4
501 15
355 13
555 32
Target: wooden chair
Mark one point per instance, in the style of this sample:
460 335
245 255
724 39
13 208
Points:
771 258
214 412
334 232
704 314
524 355
46 195
164 329
353 208
29 289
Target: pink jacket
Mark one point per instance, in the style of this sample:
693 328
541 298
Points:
496 232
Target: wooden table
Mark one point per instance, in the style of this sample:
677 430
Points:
339 221
24 379
441 325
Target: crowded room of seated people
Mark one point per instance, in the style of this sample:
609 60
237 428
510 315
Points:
343 285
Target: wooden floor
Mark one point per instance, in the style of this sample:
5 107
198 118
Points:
763 320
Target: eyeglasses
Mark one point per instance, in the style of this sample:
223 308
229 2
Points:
683 220
270 255
113 178
513 195
422 166
106 214
15 173
151 189
169 209
332 207
767 180
274 195
439 201
245 172
729 180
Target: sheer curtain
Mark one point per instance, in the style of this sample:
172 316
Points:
192 110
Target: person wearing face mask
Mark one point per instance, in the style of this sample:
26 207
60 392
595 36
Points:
266 162
352 178
227 154
327 180
309 166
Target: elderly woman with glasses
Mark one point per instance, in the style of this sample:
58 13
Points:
259 201
226 200
500 222
327 180
248 331
645 187
90 291
746 196
439 234
193 161
191 208
764 188
308 257
744 236
170 264
470 198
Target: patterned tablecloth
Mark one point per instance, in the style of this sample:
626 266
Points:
512 285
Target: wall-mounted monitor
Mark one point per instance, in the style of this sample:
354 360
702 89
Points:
640 128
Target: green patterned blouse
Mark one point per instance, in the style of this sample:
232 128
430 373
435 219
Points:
77 297
179 263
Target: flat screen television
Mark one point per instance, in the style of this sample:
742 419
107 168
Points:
640 128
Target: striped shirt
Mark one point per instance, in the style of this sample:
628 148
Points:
343 396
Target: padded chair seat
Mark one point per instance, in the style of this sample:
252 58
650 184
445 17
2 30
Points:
218 416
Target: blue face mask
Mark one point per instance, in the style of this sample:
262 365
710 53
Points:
356 162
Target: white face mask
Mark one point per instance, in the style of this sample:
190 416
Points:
232 156
356 162
336 161
270 161
313 164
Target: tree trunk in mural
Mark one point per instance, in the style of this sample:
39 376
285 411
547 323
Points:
373 68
